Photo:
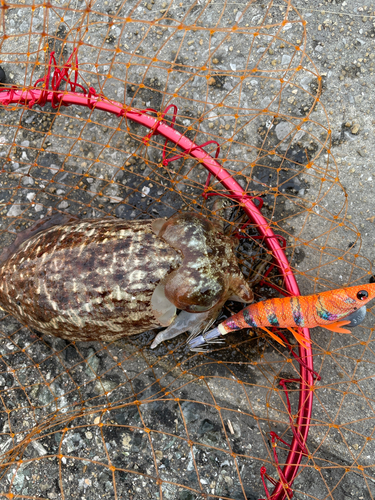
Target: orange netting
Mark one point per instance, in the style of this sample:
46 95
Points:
94 420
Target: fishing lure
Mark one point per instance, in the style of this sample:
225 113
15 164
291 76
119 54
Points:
331 310
102 279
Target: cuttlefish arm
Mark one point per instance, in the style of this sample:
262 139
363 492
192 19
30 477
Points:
196 322
184 322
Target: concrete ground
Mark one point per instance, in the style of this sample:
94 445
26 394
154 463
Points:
92 420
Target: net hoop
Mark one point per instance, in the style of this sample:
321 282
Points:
300 427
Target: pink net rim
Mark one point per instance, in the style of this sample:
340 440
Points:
158 126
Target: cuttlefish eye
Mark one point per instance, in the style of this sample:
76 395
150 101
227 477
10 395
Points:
362 294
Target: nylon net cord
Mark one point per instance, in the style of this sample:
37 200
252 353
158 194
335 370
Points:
119 420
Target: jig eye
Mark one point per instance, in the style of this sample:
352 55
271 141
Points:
362 294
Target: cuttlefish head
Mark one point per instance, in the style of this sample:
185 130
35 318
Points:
208 276
209 273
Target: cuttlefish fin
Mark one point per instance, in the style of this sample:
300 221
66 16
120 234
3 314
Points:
38 226
162 308
336 327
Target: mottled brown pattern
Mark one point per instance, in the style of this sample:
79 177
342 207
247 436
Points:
90 279
94 279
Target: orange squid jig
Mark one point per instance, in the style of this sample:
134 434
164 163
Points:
331 310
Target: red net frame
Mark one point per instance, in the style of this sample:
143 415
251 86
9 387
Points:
50 94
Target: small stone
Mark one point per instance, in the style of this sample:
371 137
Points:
115 199
93 362
215 60
14 211
145 191
211 81
27 181
44 395
283 129
126 440
30 196
39 448
104 386
63 204
355 129
148 6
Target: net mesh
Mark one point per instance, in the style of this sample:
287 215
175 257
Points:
119 420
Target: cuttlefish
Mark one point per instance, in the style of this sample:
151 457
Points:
102 279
